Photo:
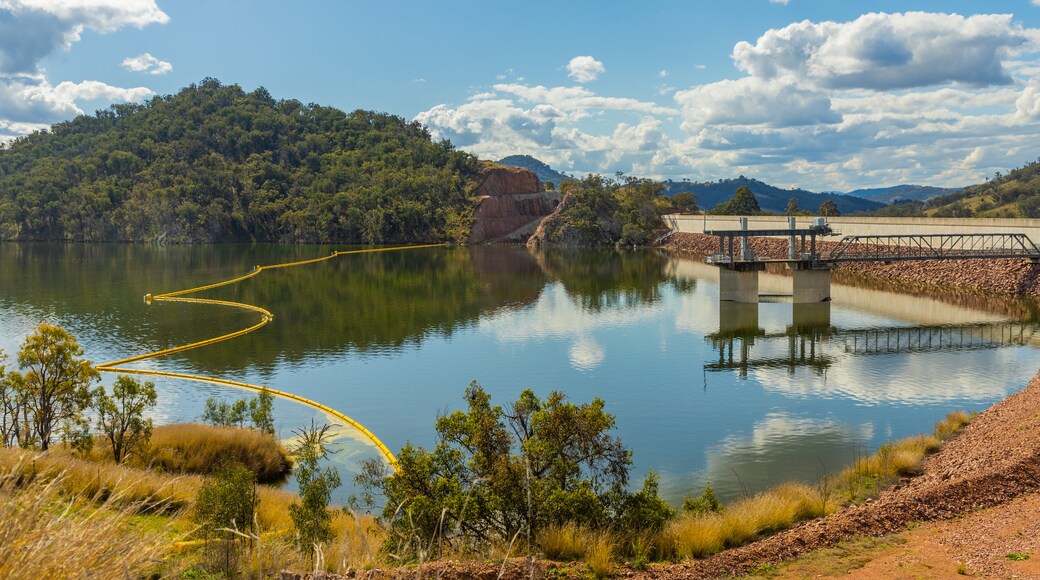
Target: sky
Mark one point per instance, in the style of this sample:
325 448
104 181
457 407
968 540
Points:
818 94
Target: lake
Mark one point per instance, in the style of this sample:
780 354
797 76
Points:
743 397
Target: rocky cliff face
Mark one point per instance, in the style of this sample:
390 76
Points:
511 202
557 230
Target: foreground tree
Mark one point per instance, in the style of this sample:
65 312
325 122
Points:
495 474
53 385
121 415
225 504
13 422
311 517
259 410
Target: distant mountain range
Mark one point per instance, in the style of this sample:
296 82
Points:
770 198
898 193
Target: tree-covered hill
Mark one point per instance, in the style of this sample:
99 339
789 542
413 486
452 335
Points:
771 198
902 193
214 163
1016 194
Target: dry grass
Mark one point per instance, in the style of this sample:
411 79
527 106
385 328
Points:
571 542
600 554
46 534
952 424
198 448
867 476
563 543
166 502
699 535
103 482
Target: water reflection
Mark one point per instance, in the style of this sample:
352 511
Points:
700 389
812 342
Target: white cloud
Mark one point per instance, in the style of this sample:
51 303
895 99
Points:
31 30
751 101
579 101
32 101
784 2
890 51
938 99
146 63
585 69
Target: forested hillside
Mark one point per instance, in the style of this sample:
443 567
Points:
1016 194
214 163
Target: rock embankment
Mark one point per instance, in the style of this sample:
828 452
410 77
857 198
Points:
1012 276
510 203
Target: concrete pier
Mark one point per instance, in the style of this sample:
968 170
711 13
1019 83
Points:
740 284
810 285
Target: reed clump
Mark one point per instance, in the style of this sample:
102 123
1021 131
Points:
867 476
565 542
198 448
702 534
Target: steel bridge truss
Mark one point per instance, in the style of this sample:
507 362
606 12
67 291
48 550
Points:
931 247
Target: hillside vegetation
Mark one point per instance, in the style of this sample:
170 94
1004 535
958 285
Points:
1015 195
216 164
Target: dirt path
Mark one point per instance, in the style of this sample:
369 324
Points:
999 542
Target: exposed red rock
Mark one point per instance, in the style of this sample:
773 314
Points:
511 202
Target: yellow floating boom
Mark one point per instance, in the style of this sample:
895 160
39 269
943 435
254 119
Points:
265 317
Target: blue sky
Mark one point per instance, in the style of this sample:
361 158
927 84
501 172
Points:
823 95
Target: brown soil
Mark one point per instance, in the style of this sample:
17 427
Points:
1000 542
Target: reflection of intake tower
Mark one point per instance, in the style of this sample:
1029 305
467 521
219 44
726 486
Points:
812 342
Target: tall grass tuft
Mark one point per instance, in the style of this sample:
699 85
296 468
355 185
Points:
701 534
952 424
44 534
198 448
563 543
599 554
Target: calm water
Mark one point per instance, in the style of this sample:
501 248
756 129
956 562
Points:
742 397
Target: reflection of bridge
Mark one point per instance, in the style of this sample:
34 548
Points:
805 339
936 338
739 267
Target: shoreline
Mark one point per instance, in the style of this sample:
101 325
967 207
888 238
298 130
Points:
994 461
